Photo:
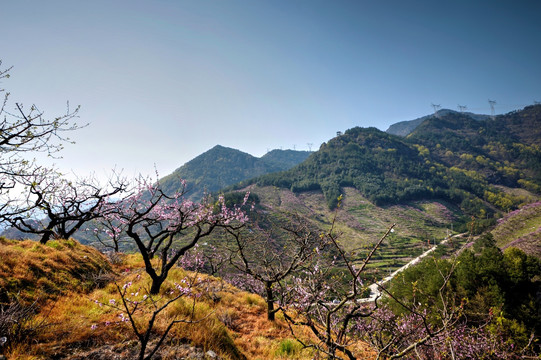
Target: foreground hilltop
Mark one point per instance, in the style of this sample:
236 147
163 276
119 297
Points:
63 303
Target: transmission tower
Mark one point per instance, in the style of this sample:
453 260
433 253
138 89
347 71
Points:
436 108
309 146
491 103
294 147
461 108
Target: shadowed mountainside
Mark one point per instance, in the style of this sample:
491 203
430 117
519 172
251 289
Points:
404 128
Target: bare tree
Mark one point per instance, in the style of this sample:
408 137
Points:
23 132
329 305
142 310
109 231
271 255
55 208
26 130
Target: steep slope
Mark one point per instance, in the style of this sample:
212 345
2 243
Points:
31 271
383 180
504 151
79 313
383 167
449 170
522 229
221 166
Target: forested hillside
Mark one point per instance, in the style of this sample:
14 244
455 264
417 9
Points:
470 163
501 151
221 166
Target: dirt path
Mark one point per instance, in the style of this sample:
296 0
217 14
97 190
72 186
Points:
374 288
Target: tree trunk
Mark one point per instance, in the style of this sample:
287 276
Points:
46 236
270 301
156 285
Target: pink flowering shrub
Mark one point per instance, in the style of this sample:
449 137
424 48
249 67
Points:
392 334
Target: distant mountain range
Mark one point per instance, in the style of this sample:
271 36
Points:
221 166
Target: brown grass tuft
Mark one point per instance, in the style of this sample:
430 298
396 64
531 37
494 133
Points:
34 271
219 317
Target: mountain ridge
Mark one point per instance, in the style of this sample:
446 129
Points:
484 167
406 127
222 166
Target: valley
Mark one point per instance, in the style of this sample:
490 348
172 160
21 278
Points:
281 239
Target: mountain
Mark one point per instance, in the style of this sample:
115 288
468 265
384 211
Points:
504 151
404 128
385 168
222 166
452 157
449 170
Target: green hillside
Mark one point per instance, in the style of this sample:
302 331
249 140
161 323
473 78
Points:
501 151
521 229
360 223
221 166
453 173
384 168
473 164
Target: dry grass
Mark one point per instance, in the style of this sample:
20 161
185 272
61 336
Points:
34 271
228 321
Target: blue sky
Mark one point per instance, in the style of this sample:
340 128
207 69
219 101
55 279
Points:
161 81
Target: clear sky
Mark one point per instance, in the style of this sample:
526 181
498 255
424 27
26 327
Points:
162 81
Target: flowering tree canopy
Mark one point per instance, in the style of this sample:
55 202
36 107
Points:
168 226
271 255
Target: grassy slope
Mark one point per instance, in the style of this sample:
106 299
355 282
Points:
522 229
232 323
43 272
362 223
